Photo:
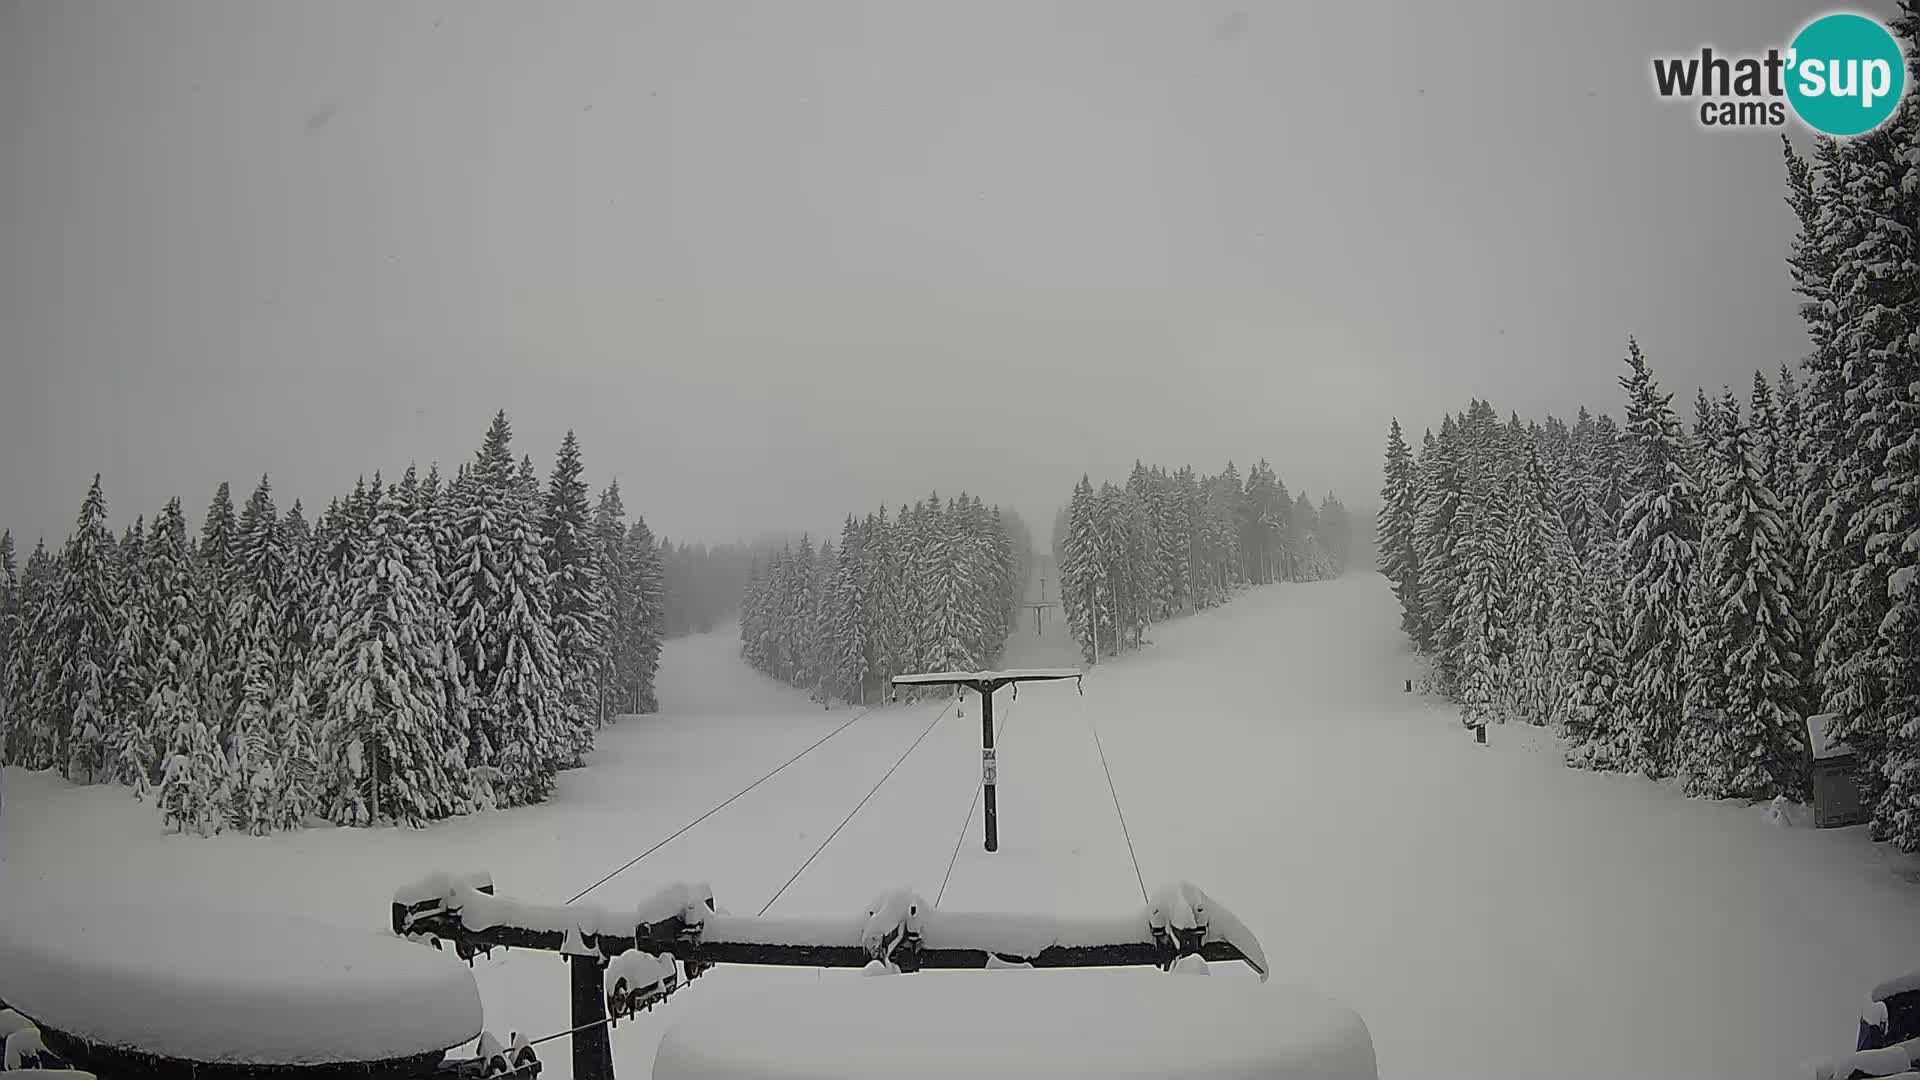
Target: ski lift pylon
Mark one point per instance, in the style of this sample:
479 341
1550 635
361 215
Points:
985 683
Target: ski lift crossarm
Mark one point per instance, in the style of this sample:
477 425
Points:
926 938
987 681
899 932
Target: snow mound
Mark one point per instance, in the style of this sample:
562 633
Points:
230 988
11 1022
22 1046
1117 1024
1787 813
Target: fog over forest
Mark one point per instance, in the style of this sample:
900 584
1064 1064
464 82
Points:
774 264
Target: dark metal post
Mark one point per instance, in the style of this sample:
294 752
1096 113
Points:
592 1051
987 766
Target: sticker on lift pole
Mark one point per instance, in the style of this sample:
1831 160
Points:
986 765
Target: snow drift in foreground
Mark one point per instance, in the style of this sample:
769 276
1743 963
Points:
1492 914
230 988
1018 1024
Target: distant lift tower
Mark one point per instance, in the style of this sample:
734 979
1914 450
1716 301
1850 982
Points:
1039 605
985 683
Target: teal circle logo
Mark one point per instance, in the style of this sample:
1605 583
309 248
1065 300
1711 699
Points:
1846 74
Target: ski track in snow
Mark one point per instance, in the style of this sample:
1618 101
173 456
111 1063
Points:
1489 912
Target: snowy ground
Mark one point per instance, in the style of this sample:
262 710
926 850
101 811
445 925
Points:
1489 912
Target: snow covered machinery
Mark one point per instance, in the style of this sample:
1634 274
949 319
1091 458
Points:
153 991
1888 1041
624 962
985 683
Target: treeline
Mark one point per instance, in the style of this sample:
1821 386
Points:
1685 600
420 650
933 588
1636 587
704 583
1172 542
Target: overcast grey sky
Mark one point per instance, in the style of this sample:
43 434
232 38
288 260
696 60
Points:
777 261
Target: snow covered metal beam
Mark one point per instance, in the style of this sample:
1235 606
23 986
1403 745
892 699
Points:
998 678
899 929
985 683
622 957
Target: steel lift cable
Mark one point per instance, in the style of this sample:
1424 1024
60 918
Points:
1121 814
863 802
729 800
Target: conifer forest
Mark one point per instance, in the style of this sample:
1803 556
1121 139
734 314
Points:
423 647
931 589
508 509
1693 600
1170 543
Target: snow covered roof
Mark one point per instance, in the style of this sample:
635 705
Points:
231 988
1020 1024
938 677
1902 984
1820 735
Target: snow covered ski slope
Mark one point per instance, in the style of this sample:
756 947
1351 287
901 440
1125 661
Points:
1488 912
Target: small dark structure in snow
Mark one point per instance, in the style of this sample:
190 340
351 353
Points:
1836 794
1889 1040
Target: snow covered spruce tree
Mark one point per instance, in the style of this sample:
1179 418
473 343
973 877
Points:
30 675
1760 747
71 701
1595 722
190 767
503 628
635 614
1540 567
930 588
221 657
644 633
852 659
1081 570
1437 526
617 594
261 618
577 604
1853 259
1876 289
1698 742
131 754
1660 526
9 632
393 753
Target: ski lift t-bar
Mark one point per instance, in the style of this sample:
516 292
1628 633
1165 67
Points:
899 932
985 683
